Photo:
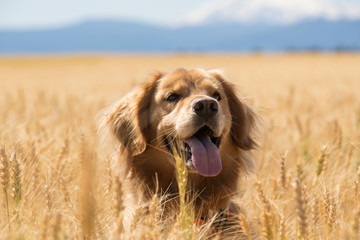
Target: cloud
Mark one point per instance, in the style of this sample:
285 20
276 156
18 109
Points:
272 11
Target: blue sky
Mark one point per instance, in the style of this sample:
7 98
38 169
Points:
47 13
27 14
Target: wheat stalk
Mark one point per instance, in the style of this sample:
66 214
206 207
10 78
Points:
109 174
136 218
338 135
151 223
329 211
332 219
118 202
315 215
16 184
57 227
283 171
45 226
356 224
59 159
119 207
5 177
267 219
356 188
48 198
186 215
282 235
321 161
245 226
87 201
301 210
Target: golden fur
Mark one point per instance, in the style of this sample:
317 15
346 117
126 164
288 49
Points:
143 118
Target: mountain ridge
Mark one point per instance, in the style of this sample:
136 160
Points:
124 36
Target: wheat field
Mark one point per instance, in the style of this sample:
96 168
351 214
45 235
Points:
59 182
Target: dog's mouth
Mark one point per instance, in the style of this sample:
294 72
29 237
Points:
201 151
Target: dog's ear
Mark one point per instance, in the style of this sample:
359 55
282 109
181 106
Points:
128 120
243 117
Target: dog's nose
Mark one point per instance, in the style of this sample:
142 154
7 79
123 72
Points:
205 107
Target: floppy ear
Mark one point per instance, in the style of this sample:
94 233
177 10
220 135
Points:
128 120
242 116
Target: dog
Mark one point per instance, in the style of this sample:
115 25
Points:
198 109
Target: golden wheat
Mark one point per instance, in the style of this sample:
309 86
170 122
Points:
57 181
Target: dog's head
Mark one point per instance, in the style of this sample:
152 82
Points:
196 109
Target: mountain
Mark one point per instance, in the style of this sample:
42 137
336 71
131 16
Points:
117 36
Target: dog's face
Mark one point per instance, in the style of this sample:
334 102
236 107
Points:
196 110
186 102
190 110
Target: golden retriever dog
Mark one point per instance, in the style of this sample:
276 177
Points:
198 109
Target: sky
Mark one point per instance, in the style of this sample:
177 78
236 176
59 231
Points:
40 14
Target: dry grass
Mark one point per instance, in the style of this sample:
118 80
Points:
57 182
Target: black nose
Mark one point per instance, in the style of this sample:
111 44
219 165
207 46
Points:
204 107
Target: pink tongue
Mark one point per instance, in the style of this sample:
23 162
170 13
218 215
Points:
205 156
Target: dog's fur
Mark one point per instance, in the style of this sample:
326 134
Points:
144 118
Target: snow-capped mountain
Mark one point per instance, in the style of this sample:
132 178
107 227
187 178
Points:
272 11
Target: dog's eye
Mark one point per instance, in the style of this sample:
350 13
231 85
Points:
172 97
217 96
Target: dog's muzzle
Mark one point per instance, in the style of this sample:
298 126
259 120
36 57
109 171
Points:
201 151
